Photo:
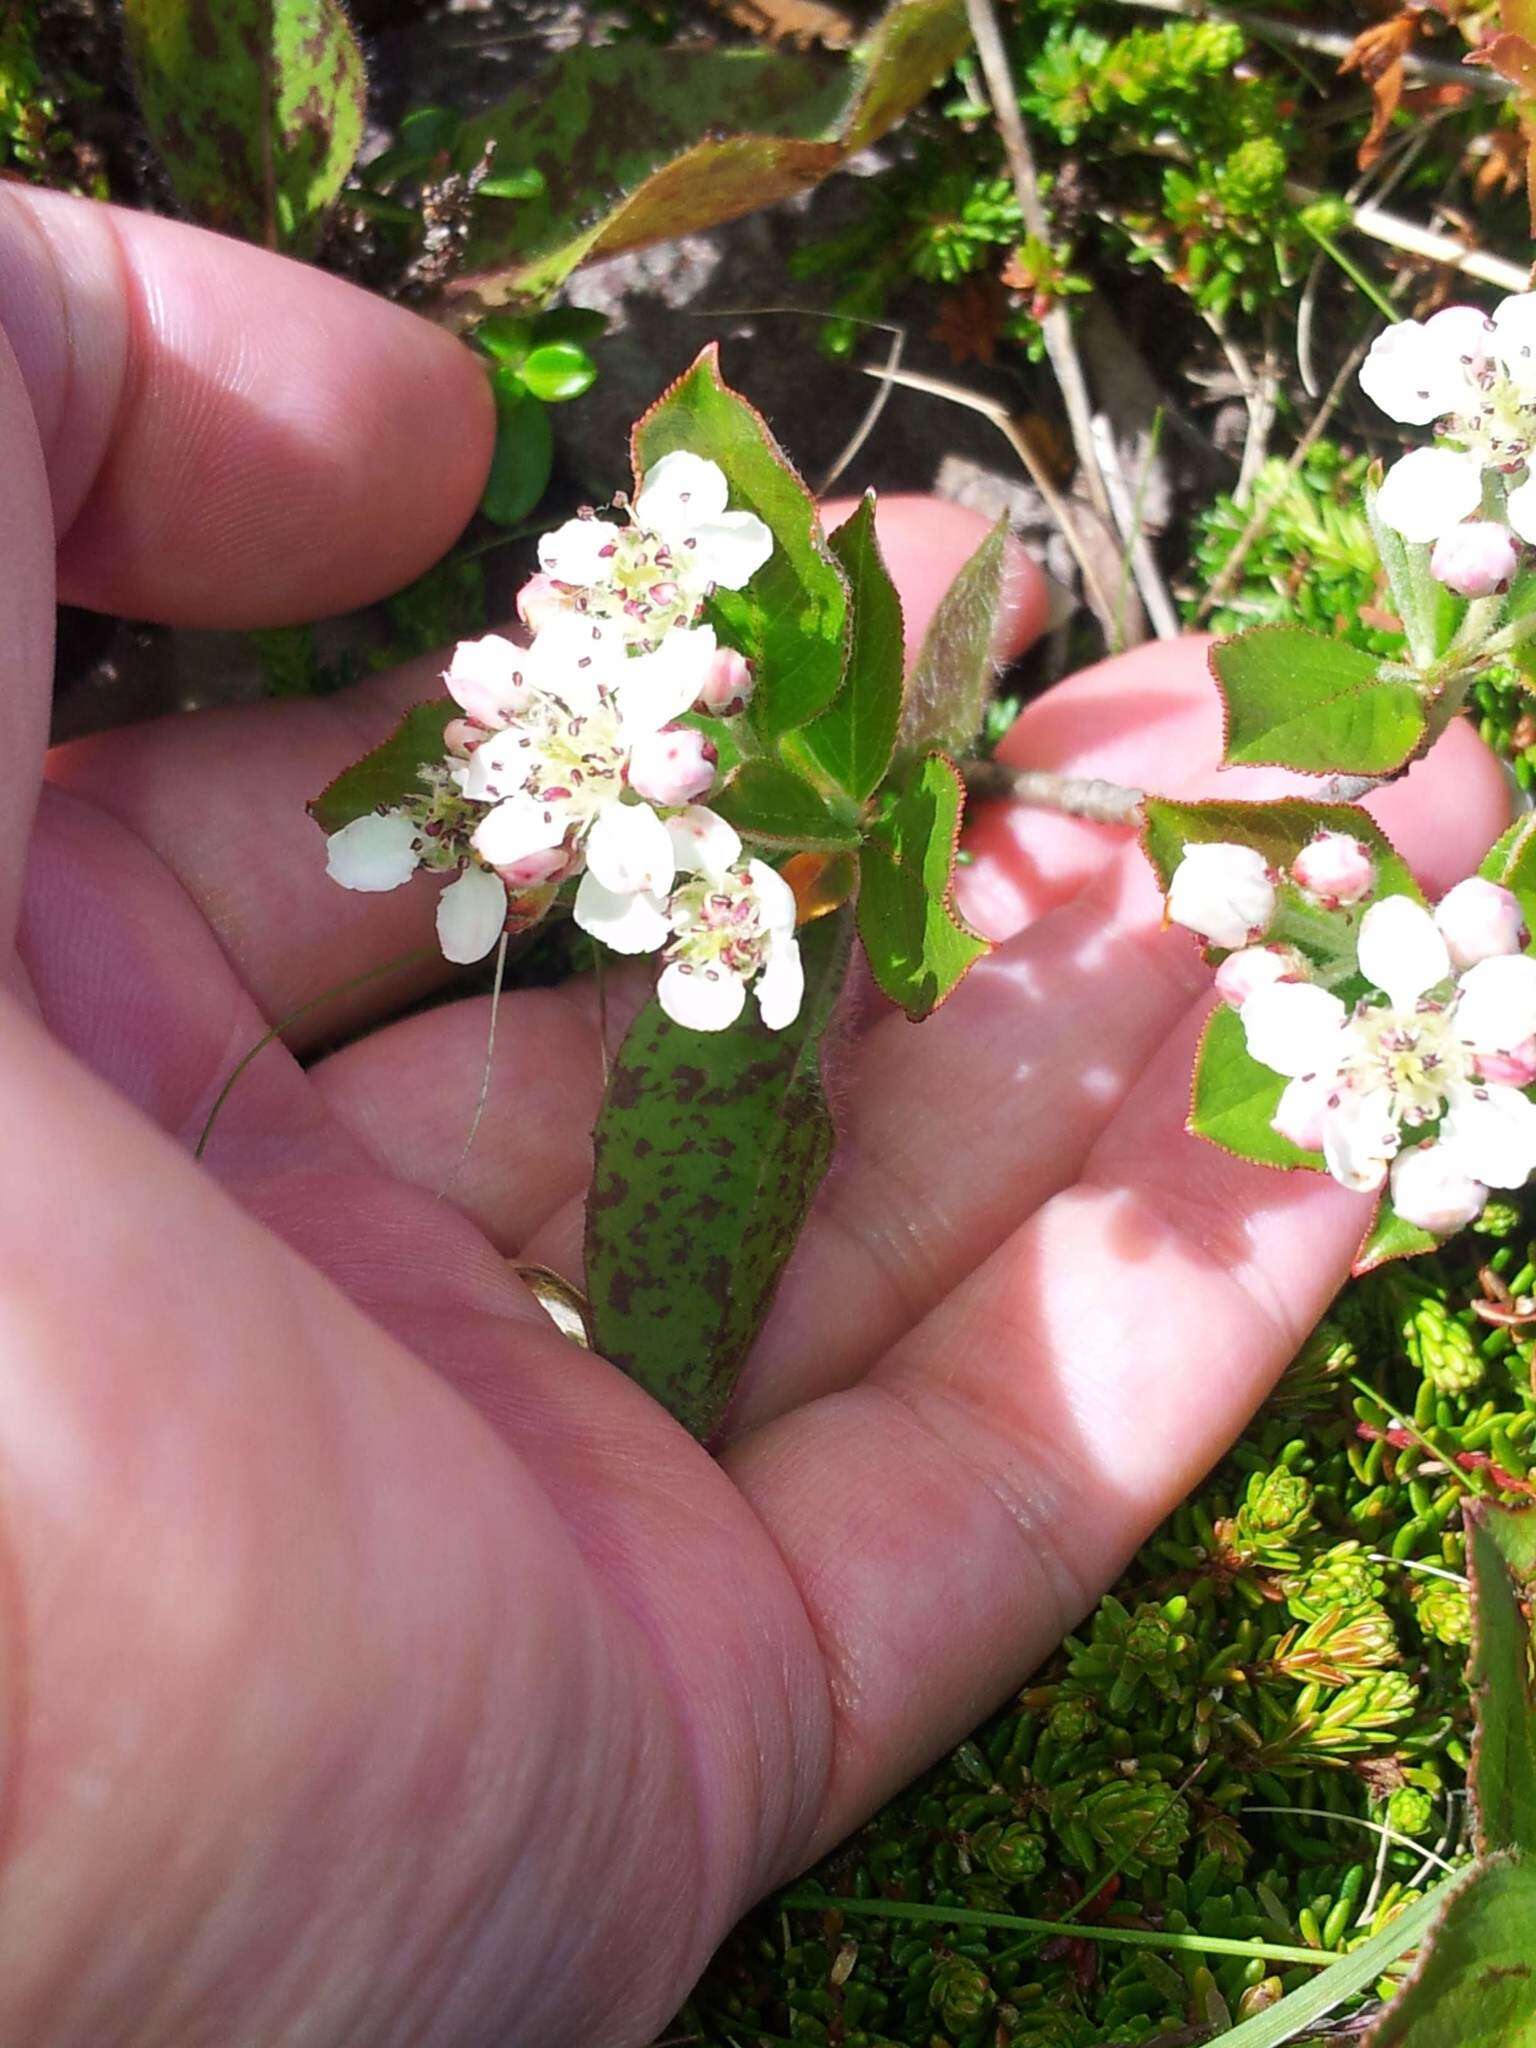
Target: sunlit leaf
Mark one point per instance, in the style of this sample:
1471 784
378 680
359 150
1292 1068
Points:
853 740
947 692
1296 700
768 801
917 945
391 772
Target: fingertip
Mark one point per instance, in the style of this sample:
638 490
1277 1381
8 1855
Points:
1448 809
926 541
235 439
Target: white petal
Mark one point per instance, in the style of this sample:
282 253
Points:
682 490
373 853
1429 491
1514 337
578 552
1295 1027
1414 373
498 767
703 998
482 678
780 988
629 848
628 924
703 843
572 657
1302 1111
517 828
730 550
1401 950
1464 333
653 689
1360 1139
775 897
1490 1133
1430 1189
470 915
1520 509
1496 1002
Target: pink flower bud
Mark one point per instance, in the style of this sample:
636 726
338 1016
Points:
1429 1190
1475 559
672 766
539 601
1334 870
1478 920
1517 1066
1223 891
547 865
461 736
1242 974
1302 1112
727 685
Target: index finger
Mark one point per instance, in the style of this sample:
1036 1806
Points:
232 439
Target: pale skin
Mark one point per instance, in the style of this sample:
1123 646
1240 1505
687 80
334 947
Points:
379 1669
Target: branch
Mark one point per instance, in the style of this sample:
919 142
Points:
1074 796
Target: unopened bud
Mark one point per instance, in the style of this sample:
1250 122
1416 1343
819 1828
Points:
1475 559
1226 893
1432 1192
1334 870
1244 973
727 684
1478 920
672 766
461 736
548 865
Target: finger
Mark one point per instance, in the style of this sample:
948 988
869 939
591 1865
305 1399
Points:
1037 1426
221 796
232 439
26 621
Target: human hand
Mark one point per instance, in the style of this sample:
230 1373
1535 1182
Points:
381 1668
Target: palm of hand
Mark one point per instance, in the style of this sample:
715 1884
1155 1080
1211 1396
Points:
396 1671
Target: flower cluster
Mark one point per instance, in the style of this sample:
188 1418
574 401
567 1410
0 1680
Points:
1474 493
1422 1079
569 763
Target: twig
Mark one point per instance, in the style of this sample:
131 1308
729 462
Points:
1074 796
1101 600
867 425
1261 402
1329 42
1055 324
1434 247
1143 562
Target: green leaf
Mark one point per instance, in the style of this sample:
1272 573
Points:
1296 700
1475 1983
1299 2011
505 338
637 144
917 946
558 370
768 801
1501 1559
947 692
524 452
1511 861
391 772
709 1149
1233 1097
527 184
1390 1237
791 620
1279 830
255 107
854 739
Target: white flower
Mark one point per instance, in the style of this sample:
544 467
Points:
1244 973
1430 1189
732 926
651 576
1226 893
374 853
1475 559
1479 919
1335 870
485 678
557 774
672 766
1476 377
1436 1050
